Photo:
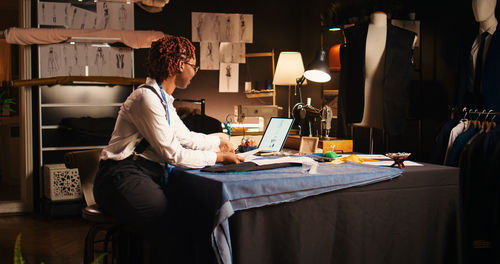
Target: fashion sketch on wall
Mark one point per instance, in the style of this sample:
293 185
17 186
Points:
209 55
113 15
81 59
53 14
221 27
82 18
205 27
228 77
97 15
231 52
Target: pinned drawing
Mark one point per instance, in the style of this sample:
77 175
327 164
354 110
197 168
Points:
228 77
83 19
231 52
246 28
205 27
209 55
114 15
51 61
52 14
221 27
229 27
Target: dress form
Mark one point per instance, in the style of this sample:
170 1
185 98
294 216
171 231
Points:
374 71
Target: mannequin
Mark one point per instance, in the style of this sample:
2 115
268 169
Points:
488 94
375 73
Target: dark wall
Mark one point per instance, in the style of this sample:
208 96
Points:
278 25
295 25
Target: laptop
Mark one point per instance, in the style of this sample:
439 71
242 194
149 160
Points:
275 134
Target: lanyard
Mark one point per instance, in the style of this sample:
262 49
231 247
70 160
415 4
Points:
165 101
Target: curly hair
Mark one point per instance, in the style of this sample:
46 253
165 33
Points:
166 55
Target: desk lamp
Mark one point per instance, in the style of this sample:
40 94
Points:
289 68
317 71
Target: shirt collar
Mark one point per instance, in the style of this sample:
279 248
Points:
152 82
491 30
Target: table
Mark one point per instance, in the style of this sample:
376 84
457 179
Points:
410 219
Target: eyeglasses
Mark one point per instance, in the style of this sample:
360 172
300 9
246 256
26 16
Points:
195 67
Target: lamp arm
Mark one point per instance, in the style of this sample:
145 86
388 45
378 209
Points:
300 81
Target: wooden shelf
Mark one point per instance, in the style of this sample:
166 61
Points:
330 92
259 95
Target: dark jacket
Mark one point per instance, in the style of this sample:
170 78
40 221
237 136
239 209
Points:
397 75
490 97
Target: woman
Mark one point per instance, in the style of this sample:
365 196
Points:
148 135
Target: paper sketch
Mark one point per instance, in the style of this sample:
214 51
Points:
231 52
51 61
112 15
52 14
82 19
204 27
122 62
228 77
209 55
246 28
229 27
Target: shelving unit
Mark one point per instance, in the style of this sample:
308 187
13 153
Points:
262 94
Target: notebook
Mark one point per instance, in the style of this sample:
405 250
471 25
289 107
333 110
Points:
275 134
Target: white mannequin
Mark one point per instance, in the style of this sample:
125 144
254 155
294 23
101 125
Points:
374 71
484 13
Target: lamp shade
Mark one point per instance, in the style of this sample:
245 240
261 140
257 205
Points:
318 69
289 68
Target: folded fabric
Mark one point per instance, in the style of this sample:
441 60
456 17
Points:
351 158
136 39
248 166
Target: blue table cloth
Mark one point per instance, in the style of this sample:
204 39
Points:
221 194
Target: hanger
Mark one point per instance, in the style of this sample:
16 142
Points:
469 123
491 124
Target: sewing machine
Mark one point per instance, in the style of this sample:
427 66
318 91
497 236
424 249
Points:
262 111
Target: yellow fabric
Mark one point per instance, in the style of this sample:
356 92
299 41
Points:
351 158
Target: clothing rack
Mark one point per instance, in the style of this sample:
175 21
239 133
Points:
469 111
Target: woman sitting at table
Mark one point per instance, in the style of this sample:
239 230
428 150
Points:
147 138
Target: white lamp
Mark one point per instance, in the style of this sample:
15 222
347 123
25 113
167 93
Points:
290 67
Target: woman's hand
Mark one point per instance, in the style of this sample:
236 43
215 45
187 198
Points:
228 157
226 146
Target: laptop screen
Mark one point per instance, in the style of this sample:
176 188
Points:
275 134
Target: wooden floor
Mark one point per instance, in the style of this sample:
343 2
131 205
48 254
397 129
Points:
56 241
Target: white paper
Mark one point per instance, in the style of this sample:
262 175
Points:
82 19
119 16
246 28
205 27
231 52
53 14
209 55
390 162
228 78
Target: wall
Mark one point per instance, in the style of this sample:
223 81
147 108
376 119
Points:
278 25
295 25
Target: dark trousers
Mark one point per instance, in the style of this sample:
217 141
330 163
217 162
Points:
133 191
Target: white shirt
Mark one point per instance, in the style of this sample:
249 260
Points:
143 115
457 130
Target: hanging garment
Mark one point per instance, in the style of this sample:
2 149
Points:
442 139
397 76
458 146
489 77
455 132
